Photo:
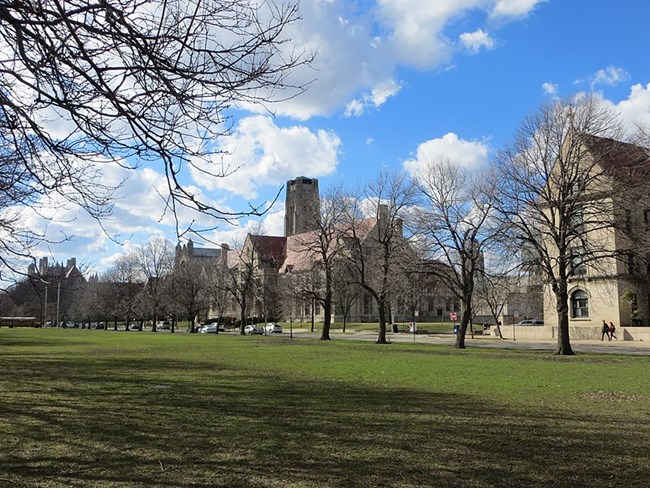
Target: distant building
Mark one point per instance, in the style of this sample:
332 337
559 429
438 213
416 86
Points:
58 284
276 258
56 273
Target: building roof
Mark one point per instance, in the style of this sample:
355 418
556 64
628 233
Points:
300 256
618 158
207 252
270 249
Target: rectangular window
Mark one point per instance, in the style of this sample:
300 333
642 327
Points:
631 266
580 304
646 216
576 221
578 267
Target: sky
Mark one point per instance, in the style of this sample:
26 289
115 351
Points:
394 83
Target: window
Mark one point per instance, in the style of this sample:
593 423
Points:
578 267
646 216
576 221
580 304
631 264
366 304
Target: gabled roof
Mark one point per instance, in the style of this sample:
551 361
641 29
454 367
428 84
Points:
362 229
618 158
299 255
271 249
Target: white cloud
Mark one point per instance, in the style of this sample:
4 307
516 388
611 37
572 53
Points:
360 46
475 41
549 88
514 8
469 154
375 99
265 154
609 76
635 110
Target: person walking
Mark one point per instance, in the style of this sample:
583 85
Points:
612 331
605 331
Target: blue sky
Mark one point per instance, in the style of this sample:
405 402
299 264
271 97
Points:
396 82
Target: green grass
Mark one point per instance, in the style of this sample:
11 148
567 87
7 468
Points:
95 408
430 327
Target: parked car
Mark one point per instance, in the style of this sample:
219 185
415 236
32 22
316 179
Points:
530 322
252 330
164 325
273 329
135 326
208 329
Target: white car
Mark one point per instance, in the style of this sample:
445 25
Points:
273 329
252 330
208 329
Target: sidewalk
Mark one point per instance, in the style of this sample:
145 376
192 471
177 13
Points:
640 348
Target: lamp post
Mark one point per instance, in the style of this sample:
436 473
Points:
45 306
58 301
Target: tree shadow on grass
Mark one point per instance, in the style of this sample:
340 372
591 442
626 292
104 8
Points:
124 422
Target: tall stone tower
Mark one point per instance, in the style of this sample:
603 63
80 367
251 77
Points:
301 206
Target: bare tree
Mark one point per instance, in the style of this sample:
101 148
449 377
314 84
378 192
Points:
155 259
188 287
123 284
553 197
317 252
242 280
346 292
455 218
219 294
376 246
493 292
121 82
294 300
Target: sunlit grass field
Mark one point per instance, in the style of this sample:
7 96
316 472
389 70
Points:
101 408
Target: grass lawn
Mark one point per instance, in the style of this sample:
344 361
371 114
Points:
85 408
430 327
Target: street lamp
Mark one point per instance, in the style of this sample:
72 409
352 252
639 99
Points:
58 301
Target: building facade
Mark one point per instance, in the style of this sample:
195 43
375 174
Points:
611 281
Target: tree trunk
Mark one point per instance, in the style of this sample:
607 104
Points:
562 306
327 319
464 321
382 323
155 322
242 317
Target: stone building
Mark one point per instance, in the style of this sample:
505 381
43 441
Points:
614 287
301 206
274 260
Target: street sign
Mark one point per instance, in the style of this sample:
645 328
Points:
453 316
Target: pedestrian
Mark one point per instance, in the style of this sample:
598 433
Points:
605 331
612 331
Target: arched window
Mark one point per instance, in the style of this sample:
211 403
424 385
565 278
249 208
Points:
580 304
